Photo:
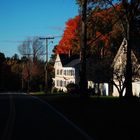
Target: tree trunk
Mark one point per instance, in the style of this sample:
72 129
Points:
120 93
83 77
128 76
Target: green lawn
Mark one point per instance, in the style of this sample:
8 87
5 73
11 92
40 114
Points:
38 93
101 117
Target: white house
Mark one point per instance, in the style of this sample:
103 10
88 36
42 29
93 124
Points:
119 64
64 74
68 72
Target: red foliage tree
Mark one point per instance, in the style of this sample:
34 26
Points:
101 28
70 39
105 28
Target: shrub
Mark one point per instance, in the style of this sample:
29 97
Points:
54 90
72 88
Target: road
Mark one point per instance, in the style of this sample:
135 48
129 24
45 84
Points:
23 117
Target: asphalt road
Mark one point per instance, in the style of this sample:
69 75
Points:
23 117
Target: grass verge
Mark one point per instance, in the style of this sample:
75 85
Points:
101 117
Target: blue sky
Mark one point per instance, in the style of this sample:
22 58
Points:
20 19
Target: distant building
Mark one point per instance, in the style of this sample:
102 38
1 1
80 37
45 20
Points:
119 64
67 71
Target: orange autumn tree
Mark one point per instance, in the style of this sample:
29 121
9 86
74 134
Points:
102 29
70 40
100 44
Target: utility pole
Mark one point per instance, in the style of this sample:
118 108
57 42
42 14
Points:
46 67
29 74
83 76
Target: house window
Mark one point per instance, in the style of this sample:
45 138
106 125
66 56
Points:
61 72
61 83
70 72
64 72
57 83
73 72
57 72
64 83
67 72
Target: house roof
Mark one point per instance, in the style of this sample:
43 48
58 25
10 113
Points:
120 59
136 49
135 55
121 50
69 61
73 63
